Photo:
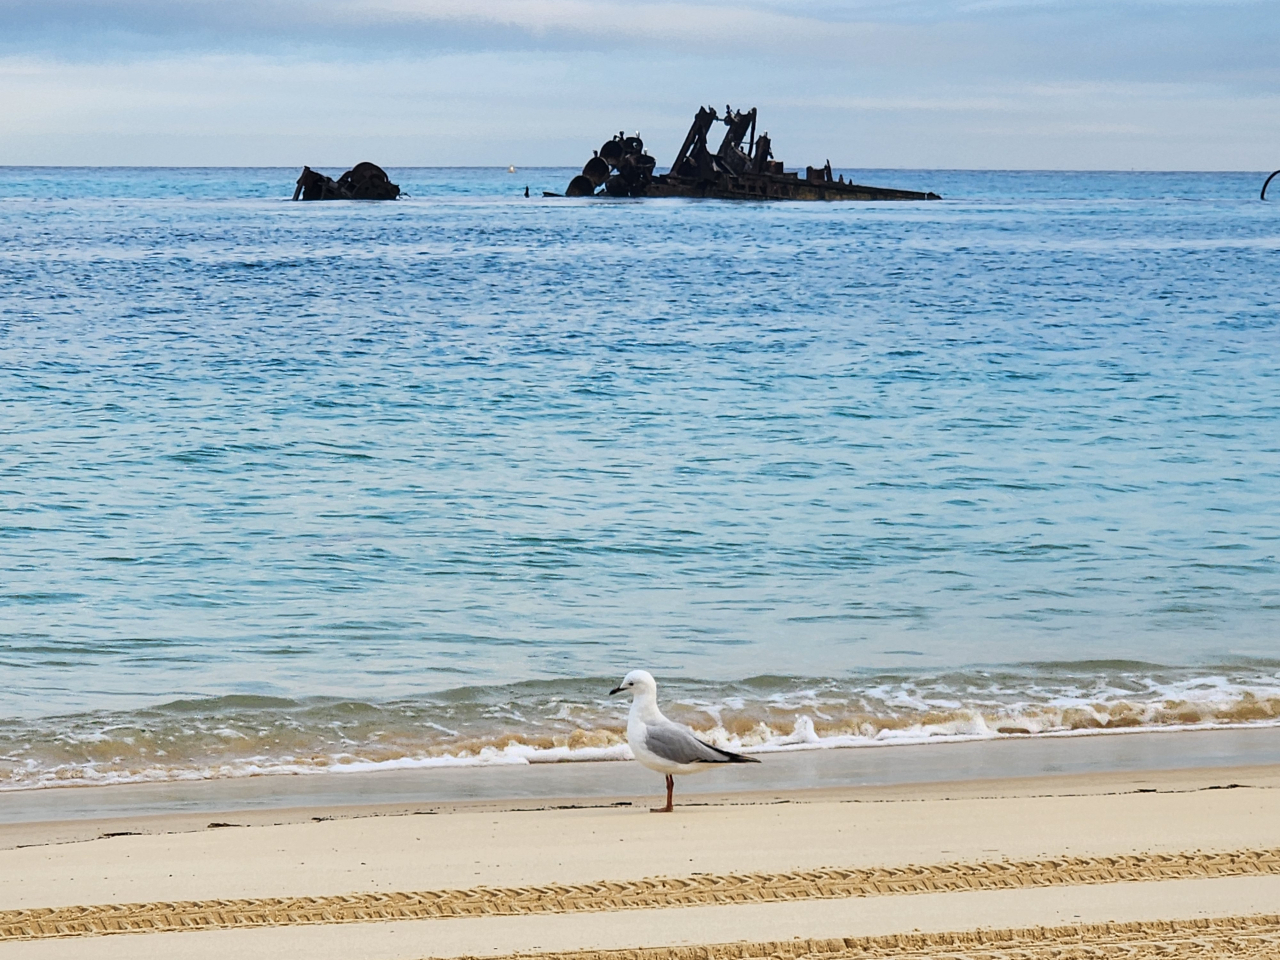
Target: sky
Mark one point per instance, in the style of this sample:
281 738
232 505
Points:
996 84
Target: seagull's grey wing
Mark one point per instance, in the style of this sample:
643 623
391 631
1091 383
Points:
677 744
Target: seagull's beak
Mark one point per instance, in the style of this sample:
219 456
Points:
615 690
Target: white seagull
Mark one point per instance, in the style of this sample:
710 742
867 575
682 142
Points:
664 745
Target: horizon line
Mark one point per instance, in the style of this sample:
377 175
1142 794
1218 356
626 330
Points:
506 168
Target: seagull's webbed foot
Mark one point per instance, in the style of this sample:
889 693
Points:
671 785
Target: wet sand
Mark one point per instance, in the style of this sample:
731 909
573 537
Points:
573 782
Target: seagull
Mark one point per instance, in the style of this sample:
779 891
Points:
664 745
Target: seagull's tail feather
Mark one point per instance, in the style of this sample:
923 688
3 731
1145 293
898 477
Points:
731 757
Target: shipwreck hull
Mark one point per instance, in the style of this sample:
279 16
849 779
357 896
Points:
766 187
364 181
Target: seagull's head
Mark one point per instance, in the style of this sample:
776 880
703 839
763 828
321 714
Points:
638 681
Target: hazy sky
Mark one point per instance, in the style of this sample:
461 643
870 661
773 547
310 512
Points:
1119 84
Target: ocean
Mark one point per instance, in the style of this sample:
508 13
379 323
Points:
310 488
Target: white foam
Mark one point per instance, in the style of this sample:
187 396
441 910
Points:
802 737
912 711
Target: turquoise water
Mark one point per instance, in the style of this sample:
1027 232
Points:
453 464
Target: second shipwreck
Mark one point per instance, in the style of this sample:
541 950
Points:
622 168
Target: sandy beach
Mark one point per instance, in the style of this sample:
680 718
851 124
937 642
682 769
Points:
1134 863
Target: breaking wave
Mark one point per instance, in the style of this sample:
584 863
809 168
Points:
573 720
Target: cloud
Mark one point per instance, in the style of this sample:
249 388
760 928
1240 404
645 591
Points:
1182 34
1042 83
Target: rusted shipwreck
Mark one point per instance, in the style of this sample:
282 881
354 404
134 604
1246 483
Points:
364 181
622 168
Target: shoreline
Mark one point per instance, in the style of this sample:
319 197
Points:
907 765
567 720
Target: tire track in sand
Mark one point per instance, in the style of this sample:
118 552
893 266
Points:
646 894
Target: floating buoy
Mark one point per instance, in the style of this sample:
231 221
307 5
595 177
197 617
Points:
511 169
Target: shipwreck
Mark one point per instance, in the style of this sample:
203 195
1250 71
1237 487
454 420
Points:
364 181
622 168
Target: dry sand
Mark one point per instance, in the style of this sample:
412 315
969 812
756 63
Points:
1175 863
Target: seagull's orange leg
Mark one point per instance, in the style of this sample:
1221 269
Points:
671 785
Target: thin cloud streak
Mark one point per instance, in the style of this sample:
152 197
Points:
672 24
